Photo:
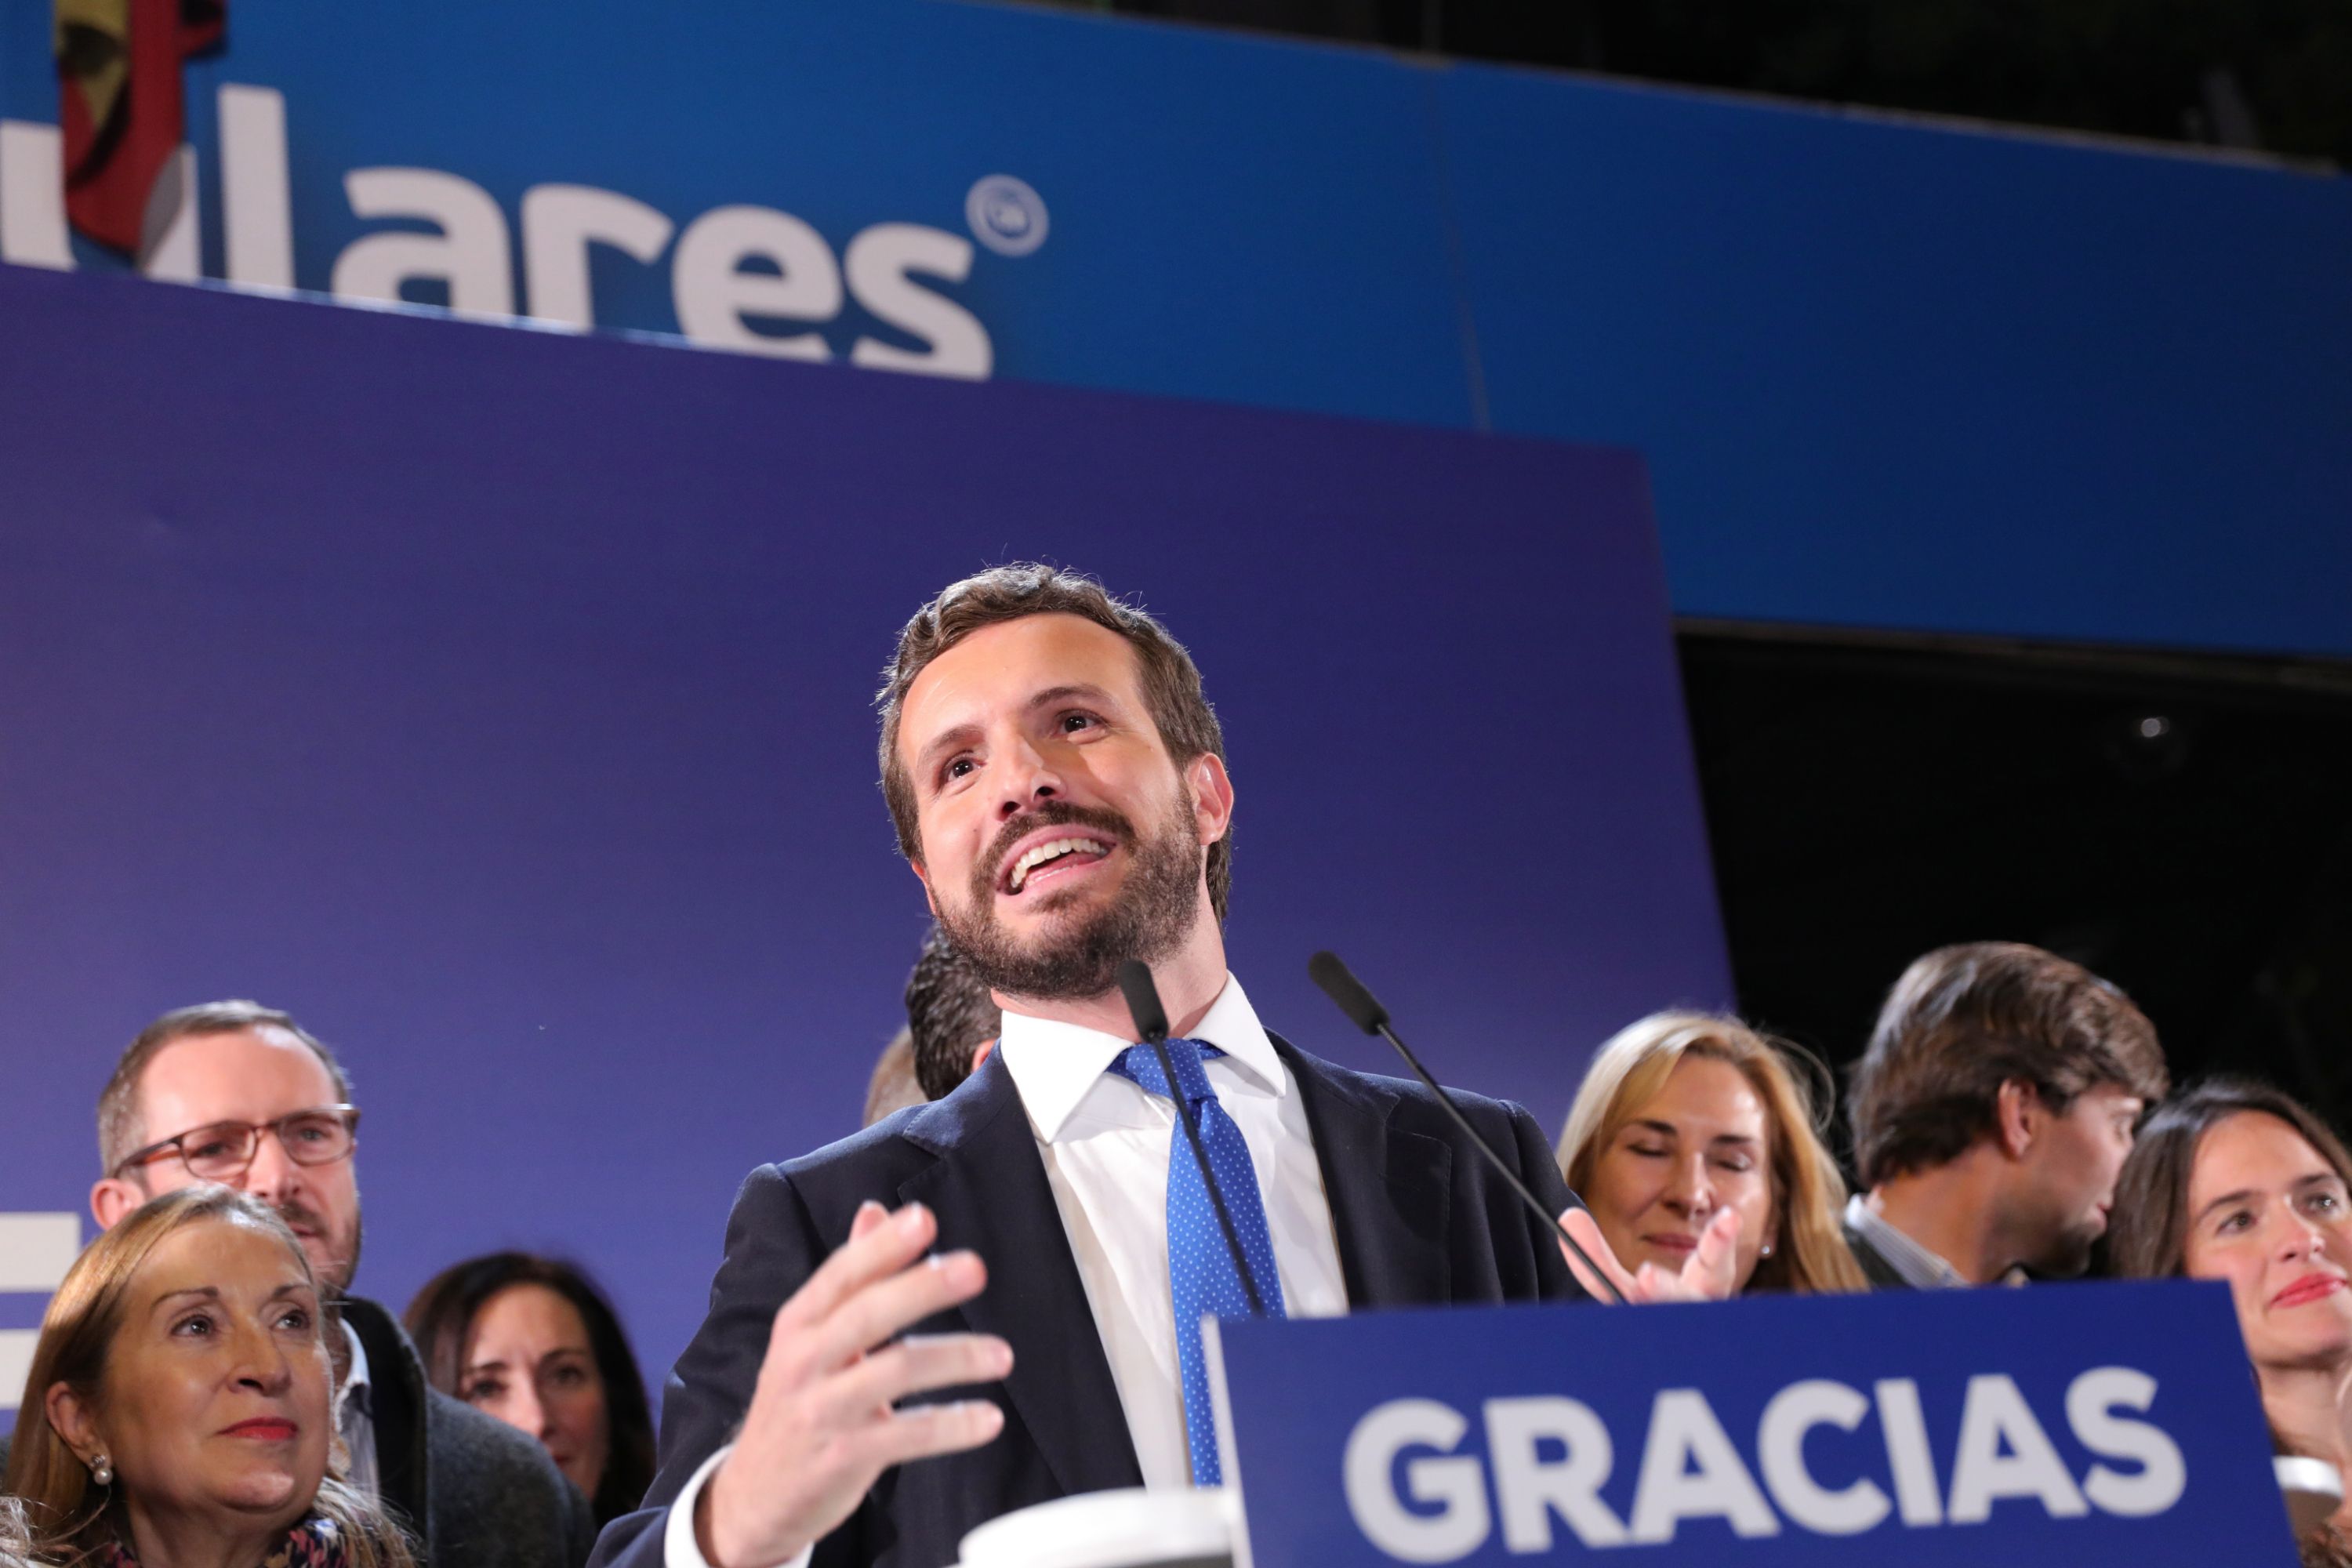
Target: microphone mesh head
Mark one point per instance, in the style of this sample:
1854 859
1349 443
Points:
1326 970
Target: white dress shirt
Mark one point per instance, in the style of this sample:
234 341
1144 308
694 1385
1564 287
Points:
1914 1264
1105 1142
356 1419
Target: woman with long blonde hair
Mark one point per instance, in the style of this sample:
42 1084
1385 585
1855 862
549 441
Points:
178 1411
1683 1114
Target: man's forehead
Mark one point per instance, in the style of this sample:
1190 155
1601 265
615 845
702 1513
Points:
245 1075
1007 664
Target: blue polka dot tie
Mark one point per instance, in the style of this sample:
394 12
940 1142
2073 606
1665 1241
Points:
1201 1277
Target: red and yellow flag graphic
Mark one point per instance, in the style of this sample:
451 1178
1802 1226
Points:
121 107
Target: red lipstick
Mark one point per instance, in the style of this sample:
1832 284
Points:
263 1429
2310 1287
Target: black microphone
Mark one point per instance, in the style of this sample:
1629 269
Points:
1360 1005
1151 1028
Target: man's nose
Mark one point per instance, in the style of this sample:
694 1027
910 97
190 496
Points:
273 1176
1030 780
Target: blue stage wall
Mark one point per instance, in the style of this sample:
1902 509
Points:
499 703
1885 373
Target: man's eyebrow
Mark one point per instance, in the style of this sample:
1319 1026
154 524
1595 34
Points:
946 741
963 735
1054 694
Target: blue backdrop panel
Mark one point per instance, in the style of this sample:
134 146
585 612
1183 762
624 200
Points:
1914 376
1887 374
498 702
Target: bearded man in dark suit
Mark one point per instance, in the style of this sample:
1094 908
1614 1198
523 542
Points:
1058 783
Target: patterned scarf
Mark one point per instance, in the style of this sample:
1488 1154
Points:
313 1543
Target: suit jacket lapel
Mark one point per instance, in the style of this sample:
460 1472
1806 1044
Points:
990 1192
1390 1191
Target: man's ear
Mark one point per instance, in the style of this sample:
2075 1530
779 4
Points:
2018 1113
75 1420
1213 796
925 879
111 1200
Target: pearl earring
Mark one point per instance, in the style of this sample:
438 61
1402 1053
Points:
1765 1250
101 1470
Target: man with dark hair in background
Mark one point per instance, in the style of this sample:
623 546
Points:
952 1017
952 1024
241 1094
1991 1114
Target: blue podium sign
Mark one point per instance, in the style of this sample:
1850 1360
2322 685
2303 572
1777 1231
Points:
2058 1424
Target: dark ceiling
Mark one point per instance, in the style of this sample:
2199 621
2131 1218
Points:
2182 826
2268 73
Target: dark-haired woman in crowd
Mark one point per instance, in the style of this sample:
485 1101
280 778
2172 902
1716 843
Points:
1683 1115
534 1342
2235 1181
177 1414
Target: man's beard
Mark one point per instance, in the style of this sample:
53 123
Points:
336 1272
2068 1254
1079 958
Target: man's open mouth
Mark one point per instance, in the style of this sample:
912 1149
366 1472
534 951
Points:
1052 852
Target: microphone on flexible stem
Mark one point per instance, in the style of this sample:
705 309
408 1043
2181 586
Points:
1151 1029
1326 970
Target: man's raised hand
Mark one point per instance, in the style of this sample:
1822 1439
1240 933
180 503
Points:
1711 1273
821 1426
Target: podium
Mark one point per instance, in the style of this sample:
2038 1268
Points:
2055 1425
2046 1427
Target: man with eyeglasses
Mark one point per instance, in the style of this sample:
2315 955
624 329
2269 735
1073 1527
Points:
239 1094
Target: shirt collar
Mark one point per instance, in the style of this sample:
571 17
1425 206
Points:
1918 1267
1055 1063
355 1381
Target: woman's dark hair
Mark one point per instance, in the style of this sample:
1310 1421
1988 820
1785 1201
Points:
2148 1238
442 1316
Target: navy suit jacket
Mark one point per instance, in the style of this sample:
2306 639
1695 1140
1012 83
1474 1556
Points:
1420 1217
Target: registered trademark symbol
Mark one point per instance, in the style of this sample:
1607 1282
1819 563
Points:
1005 215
